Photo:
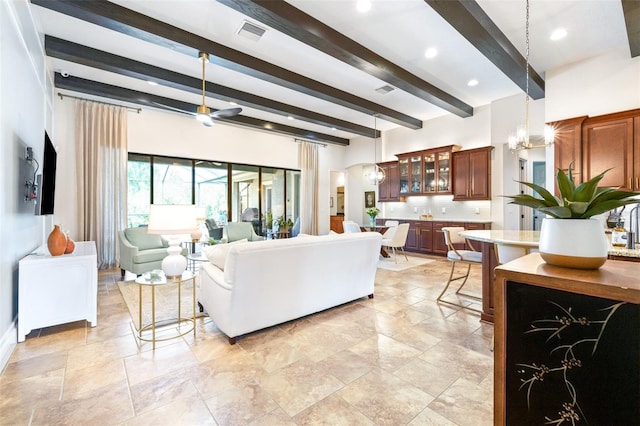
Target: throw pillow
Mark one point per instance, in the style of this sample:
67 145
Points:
217 254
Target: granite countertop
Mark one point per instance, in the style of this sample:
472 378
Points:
530 239
624 252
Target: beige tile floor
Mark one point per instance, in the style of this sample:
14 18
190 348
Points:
398 359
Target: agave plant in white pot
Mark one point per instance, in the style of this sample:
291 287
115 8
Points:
572 237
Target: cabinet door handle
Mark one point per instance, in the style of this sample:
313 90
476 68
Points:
637 182
630 183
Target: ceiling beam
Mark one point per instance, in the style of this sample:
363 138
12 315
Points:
631 10
295 23
135 97
134 24
73 52
468 18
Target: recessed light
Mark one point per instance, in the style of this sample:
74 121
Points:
363 6
232 103
290 117
334 129
152 83
558 34
472 82
431 52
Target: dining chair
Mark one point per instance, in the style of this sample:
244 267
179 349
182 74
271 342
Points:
397 241
392 227
349 226
452 238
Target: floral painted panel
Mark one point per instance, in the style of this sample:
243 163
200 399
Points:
571 359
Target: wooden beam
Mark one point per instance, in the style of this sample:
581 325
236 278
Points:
295 23
631 10
468 18
134 24
135 97
73 52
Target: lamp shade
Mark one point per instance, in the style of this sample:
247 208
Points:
167 219
201 214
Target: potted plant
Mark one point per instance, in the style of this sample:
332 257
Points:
284 224
571 237
372 212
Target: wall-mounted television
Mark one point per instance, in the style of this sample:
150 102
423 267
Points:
47 191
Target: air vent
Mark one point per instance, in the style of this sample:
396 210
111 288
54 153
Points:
251 31
385 89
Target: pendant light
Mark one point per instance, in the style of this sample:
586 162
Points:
521 138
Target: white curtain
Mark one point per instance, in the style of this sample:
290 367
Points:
308 160
101 151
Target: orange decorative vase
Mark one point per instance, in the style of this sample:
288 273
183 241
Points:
57 241
71 246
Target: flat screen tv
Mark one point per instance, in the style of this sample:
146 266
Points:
48 184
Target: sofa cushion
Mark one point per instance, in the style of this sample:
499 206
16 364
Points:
139 237
217 254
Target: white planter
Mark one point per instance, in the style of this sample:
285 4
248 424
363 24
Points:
573 243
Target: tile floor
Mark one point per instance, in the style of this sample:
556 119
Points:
398 359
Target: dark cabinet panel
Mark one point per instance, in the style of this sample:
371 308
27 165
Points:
472 174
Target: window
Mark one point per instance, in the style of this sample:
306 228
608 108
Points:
235 192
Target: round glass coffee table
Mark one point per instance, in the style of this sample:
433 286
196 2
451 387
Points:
184 325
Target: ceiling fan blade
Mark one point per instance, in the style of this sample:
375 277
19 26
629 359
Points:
173 108
224 113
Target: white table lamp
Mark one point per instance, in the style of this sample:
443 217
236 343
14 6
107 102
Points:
201 215
172 219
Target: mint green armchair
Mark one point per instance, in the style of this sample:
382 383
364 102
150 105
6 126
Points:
235 231
140 251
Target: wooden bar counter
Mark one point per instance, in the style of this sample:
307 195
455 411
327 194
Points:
567 344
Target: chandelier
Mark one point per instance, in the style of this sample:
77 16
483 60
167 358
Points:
521 139
376 175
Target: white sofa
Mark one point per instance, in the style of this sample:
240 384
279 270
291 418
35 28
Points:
265 283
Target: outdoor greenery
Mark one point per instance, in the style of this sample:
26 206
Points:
575 202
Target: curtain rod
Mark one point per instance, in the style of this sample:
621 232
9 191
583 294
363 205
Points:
62 96
324 145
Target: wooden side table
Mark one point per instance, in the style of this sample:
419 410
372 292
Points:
142 333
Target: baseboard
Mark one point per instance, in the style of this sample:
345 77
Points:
7 343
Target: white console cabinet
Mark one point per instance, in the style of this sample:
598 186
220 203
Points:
58 289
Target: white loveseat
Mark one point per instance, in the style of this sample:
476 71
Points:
265 283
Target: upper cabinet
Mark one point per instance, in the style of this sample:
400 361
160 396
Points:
596 144
389 189
426 172
472 174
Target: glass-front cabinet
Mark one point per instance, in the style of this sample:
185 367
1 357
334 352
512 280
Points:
444 171
403 166
416 173
427 171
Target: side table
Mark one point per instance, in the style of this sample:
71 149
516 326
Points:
143 330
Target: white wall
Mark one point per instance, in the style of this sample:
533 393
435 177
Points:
161 133
600 85
24 113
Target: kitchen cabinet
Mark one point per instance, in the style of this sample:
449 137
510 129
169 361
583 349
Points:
410 172
612 142
472 174
567 146
389 189
335 224
595 144
426 237
426 172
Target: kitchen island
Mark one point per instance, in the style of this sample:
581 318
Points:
567 343
527 239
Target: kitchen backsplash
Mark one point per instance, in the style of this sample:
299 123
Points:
441 207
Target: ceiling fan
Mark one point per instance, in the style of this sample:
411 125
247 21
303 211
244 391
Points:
203 112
